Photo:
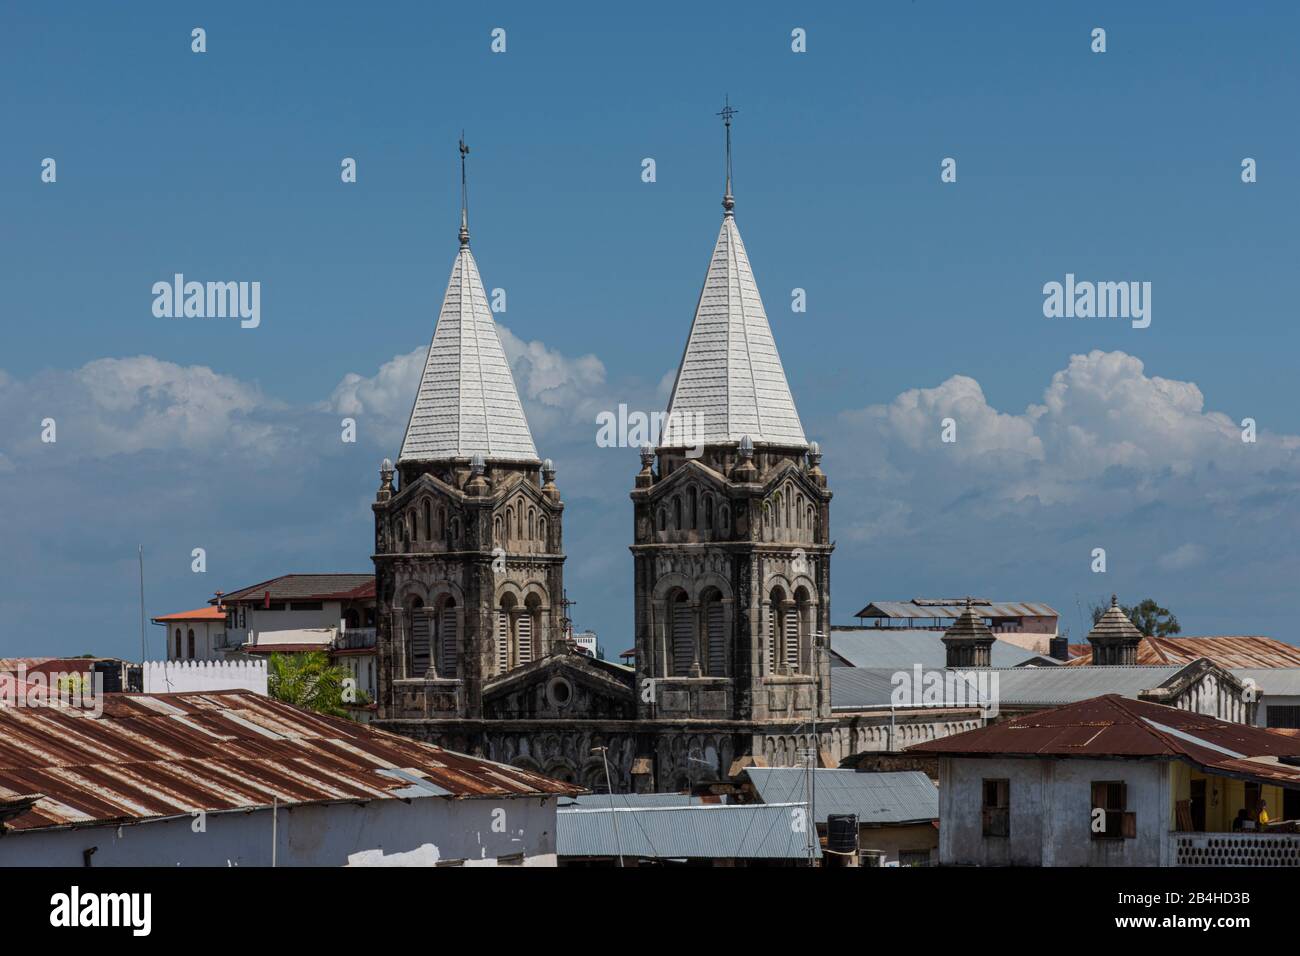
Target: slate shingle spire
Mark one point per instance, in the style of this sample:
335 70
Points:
467 403
969 642
1114 639
731 382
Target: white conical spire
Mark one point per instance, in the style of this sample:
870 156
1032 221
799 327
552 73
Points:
731 383
467 403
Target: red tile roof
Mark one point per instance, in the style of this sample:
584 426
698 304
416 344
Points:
198 614
1226 651
1115 726
158 755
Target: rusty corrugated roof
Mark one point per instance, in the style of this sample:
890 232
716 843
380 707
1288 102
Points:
1226 651
306 587
159 755
1114 726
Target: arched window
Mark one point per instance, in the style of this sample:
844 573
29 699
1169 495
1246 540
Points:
715 638
427 511
419 637
519 521
190 643
448 639
799 624
541 533
442 523
677 513
510 520
708 512
798 512
663 520
532 524
690 507
178 645
683 641
496 530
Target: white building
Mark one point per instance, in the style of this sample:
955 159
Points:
1117 782
234 778
198 635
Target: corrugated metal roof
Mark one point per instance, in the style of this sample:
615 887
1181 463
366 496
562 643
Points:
602 800
306 587
160 755
707 831
903 647
1272 681
1111 726
910 609
870 688
907 796
1226 651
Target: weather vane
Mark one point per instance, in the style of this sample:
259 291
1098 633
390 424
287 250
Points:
464 193
728 201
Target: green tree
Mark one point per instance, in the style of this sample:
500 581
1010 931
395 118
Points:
1147 616
307 680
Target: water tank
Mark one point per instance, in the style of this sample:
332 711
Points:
842 833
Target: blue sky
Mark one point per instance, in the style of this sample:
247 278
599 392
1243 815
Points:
924 298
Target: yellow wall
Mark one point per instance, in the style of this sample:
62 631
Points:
1223 797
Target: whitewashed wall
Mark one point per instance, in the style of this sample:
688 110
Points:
174 677
388 832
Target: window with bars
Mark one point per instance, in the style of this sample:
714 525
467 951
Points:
1283 715
996 810
1111 797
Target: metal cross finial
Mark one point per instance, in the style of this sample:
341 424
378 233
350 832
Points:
728 201
464 193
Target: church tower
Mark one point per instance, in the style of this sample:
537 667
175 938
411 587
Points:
468 548
732 527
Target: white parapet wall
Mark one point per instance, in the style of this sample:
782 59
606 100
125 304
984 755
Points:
173 677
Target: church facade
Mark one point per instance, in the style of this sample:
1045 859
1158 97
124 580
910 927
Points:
731 559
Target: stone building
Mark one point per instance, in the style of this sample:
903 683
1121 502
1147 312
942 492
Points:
731 559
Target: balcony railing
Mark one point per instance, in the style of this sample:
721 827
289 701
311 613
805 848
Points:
355 638
1235 849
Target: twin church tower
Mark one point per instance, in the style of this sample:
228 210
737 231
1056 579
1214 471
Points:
731 559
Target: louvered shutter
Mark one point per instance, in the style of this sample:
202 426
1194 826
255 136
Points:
419 642
503 642
449 651
525 654
717 641
792 638
683 639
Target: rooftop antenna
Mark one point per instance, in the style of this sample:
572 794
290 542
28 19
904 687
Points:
464 193
144 651
728 201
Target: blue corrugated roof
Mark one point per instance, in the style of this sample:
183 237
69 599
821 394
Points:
699 831
906 796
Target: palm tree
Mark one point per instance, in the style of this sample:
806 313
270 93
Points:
307 680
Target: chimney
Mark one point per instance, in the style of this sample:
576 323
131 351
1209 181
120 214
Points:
969 642
1059 647
1114 640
